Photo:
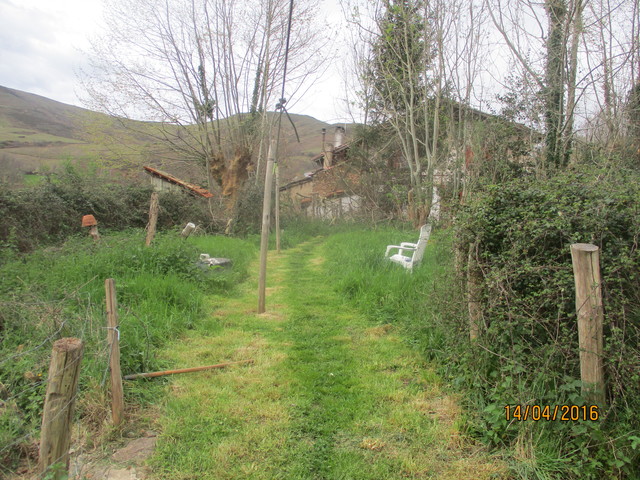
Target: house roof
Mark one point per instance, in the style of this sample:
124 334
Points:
300 181
319 159
192 188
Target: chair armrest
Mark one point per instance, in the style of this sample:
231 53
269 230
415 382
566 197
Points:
399 247
407 244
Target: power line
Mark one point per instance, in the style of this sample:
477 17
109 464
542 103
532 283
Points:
282 102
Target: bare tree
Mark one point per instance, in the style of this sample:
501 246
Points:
582 55
402 78
205 71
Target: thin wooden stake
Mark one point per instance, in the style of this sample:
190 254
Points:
184 370
153 218
93 232
59 403
474 293
113 340
586 271
264 239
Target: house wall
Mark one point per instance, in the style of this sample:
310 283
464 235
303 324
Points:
160 185
329 193
335 207
340 177
297 193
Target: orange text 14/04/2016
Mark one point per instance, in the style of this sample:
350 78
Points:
564 413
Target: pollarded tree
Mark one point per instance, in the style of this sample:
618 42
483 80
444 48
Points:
205 72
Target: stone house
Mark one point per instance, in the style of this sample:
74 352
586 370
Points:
330 191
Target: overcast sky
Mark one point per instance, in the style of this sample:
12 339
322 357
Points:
42 44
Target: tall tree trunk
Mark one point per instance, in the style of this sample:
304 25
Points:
554 88
576 33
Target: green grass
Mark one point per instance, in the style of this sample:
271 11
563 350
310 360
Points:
58 292
334 393
31 180
26 136
426 304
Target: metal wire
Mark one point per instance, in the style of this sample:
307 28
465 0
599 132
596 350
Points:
281 103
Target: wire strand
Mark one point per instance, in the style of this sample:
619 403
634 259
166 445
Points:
281 103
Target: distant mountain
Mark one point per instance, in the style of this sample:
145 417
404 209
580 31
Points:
25 115
38 134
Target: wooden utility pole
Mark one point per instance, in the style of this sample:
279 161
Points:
57 417
153 218
277 207
264 239
586 271
113 340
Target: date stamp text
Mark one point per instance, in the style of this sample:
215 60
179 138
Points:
563 413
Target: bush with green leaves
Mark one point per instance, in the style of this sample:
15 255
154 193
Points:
528 350
51 211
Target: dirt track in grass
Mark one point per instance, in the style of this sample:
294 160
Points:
331 395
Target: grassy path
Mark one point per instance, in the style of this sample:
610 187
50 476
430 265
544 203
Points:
330 395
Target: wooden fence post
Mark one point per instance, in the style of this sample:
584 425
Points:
586 271
113 339
474 293
57 417
153 218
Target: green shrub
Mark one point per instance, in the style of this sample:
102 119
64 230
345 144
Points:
528 351
52 211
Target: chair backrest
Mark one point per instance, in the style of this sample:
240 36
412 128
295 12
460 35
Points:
425 233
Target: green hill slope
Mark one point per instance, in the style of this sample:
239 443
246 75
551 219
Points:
37 135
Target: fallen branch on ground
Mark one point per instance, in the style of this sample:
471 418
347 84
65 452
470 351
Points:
183 370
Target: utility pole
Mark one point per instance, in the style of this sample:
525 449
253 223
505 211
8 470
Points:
277 207
264 239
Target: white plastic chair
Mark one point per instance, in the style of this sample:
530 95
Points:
416 250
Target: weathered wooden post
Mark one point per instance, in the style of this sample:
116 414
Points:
59 403
113 340
586 271
474 293
264 239
153 218
91 222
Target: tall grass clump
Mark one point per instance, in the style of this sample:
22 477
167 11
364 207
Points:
426 303
59 292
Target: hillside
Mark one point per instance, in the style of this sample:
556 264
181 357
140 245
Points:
38 135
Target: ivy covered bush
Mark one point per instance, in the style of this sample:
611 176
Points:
527 353
52 211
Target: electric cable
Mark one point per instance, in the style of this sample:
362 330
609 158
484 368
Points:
280 106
